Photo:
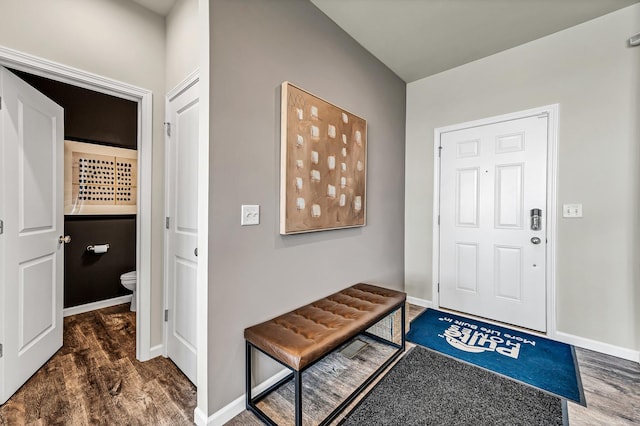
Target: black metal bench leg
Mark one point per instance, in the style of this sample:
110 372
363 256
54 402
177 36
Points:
297 377
247 372
403 326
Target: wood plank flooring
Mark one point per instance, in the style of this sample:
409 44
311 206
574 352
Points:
95 379
611 385
612 389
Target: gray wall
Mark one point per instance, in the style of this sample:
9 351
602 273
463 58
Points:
182 46
595 77
255 273
118 39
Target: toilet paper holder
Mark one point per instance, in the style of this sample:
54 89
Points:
98 248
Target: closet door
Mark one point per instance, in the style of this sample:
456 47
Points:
182 229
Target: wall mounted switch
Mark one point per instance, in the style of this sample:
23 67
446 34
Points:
250 215
572 210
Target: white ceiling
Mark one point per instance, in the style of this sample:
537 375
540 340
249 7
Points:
418 38
161 7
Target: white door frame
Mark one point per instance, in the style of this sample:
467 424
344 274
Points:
66 74
551 213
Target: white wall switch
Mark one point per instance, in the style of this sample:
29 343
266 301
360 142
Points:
572 210
250 215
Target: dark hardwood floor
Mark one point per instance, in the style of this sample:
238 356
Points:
95 379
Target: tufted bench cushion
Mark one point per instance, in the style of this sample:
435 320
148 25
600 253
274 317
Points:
302 336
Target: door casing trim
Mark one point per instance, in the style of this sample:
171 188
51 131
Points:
551 214
76 77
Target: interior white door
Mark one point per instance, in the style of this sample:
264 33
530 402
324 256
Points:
31 210
182 230
492 263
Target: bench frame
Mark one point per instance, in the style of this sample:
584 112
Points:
296 375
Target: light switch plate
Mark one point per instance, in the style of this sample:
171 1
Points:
250 215
572 210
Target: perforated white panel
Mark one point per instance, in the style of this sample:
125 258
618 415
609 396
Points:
100 179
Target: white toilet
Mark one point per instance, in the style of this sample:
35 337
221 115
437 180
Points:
128 281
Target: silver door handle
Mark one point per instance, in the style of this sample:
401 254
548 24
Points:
64 239
535 240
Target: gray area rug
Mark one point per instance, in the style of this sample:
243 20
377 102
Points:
427 388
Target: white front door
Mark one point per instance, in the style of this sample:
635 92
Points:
492 263
31 211
182 230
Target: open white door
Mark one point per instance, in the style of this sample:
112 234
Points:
492 254
182 228
31 210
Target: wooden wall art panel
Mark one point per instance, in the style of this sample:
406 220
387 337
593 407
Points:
323 164
100 179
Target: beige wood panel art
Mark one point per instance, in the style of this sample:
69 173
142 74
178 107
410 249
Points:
323 164
100 179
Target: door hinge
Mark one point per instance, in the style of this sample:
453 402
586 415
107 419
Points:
0 350
168 127
0 103
439 151
167 222
1 227
438 220
166 315
438 287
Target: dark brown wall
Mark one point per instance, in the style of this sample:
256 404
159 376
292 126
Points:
90 277
91 116
106 120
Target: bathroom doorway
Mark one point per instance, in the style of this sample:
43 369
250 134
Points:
100 192
142 100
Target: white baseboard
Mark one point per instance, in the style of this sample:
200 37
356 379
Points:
238 405
81 309
419 302
156 351
605 348
200 418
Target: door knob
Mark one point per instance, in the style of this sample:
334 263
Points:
535 240
64 240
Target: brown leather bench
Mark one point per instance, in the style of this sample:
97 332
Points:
304 336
